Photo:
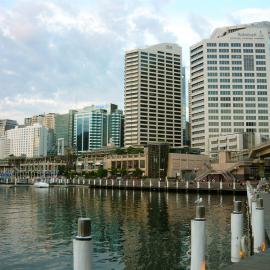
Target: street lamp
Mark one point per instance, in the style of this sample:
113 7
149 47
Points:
196 170
180 176
235 168
159 161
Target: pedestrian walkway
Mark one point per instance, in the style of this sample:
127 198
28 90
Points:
266 203
258 261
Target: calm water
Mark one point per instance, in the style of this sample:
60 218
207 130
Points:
131 230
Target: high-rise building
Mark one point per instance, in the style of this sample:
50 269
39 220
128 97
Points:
38 119
49 120
185 138
46 120
28 121
29 141
6 124
96 127
81 129
64 131
115 125
116 128
153 95
4 147
229 83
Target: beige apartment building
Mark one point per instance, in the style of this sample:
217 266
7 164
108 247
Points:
229 83
153 95
46 120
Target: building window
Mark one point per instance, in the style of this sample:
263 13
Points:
248 62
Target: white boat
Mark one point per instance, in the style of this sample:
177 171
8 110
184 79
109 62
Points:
40 184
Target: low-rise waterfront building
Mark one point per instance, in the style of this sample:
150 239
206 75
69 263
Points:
128 162
154 161
187 166
28 168
41 167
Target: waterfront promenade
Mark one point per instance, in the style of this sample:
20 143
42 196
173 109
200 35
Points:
169 186
149 185
259 261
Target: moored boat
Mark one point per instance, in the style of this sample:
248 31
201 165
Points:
40 184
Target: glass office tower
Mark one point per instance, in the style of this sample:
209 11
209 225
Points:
96 128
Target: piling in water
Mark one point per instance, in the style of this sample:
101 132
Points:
198 239
259 229
82 246
236 232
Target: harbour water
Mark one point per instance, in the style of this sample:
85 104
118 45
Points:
130 229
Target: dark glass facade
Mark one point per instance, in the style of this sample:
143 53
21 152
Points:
64 128
96 128
82 132
158 160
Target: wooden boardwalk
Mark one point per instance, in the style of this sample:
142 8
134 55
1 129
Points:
152 185
259 261
266 202
168 186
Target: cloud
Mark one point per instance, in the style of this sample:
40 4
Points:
250 15
56 55
66 55
200 25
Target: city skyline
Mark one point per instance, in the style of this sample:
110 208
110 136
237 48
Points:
56 56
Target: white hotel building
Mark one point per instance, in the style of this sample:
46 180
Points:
29 141
153 86
230 83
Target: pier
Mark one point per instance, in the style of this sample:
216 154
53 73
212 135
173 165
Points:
262 260
169 186
144 184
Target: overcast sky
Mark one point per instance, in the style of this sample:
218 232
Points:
55 55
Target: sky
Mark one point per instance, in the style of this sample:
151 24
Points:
57 55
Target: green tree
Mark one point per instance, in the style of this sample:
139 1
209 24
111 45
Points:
119 151
137 172
114 171
62 170
101 172
123 172
92 174
69 174
70 157
133 150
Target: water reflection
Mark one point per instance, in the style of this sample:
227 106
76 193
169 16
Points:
131 230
